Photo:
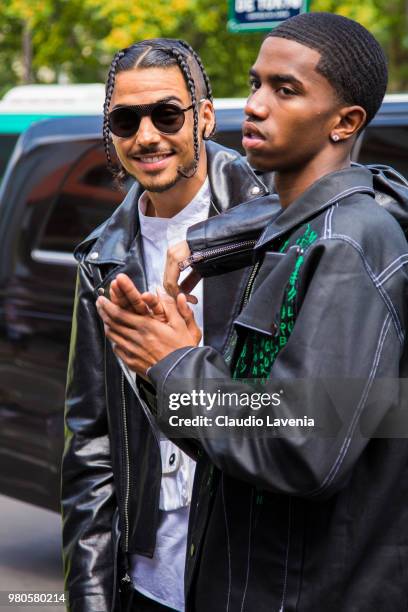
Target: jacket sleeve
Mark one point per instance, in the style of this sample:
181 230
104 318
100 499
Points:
88 498
334 369
234 232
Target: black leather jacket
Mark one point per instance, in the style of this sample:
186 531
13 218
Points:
111 465
302 522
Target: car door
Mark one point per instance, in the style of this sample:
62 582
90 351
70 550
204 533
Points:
58 192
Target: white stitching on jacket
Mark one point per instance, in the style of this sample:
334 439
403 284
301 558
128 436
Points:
328 231
331 218
404 261
347 440
390 265
333 200
249 550
285 581
384 294
176 364
401 265
325 223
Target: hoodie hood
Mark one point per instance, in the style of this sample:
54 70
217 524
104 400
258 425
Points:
391 192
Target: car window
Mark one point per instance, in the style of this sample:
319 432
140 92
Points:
87 197
386 145
231 139
7 144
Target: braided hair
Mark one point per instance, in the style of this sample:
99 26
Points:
208 88
110 84
159 53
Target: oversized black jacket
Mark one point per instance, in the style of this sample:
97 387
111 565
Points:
311 520
111 468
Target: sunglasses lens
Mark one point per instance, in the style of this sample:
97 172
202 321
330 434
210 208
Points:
124 122
168 118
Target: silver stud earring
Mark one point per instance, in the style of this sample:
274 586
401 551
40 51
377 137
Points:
335 137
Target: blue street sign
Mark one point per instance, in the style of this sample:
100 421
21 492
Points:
259 15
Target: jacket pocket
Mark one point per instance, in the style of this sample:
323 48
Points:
263 311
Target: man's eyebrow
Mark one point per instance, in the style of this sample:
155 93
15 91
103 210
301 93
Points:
276 79
170 98
160 101
284 78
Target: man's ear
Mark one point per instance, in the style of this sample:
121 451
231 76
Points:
350 120
207 119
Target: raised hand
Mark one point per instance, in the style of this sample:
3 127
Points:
124 294
141 341
175 255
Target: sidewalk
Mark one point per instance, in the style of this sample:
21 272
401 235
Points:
30 554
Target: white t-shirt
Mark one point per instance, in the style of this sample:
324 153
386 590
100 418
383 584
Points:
162 577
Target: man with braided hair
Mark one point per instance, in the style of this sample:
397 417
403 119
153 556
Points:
126 489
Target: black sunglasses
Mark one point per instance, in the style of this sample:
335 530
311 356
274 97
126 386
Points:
167 117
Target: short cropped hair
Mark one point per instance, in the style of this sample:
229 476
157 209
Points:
352 60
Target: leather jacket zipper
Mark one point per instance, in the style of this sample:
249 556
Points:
250 284
126 453
215 252
125 581
230 343
127 462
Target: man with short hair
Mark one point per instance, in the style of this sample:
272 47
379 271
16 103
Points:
308 516
126 489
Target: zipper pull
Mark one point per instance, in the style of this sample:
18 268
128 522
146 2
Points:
216 251
125 580
194 258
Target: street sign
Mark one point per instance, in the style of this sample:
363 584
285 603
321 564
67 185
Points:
260 15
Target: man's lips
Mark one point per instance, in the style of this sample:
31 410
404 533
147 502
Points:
250 130
252 136
152 161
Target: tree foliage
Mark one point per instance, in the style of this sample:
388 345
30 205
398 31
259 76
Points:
74 40
388 21
57 38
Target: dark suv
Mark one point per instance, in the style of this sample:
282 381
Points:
55 191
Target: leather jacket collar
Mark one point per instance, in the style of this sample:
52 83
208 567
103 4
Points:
322 194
